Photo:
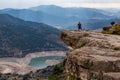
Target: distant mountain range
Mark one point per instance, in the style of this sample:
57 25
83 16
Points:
19 37
65 18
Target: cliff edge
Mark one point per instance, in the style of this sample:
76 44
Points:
95 56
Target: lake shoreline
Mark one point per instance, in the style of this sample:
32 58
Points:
21 65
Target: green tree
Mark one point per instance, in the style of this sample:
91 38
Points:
112 23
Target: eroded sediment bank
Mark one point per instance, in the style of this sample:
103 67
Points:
21 65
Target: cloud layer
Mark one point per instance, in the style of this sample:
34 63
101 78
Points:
64 3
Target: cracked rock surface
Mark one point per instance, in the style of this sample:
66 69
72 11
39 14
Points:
95 56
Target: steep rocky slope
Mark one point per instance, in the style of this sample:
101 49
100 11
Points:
41 74
95 56
48 73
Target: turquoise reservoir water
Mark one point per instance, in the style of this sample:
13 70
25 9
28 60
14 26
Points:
39 62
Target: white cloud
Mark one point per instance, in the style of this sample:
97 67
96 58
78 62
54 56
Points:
66 3
93 5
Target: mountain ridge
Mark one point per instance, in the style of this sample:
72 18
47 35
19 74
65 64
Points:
65 18
19 37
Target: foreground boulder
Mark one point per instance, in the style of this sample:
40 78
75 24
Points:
95 56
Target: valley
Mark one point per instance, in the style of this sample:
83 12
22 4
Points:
42 42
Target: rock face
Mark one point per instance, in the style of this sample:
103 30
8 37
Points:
95 56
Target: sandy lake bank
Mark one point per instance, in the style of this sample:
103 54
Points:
20 65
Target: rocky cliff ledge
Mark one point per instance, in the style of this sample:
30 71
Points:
95 56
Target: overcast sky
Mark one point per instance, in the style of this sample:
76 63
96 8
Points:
64 3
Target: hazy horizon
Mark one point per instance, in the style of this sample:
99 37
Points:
20 4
